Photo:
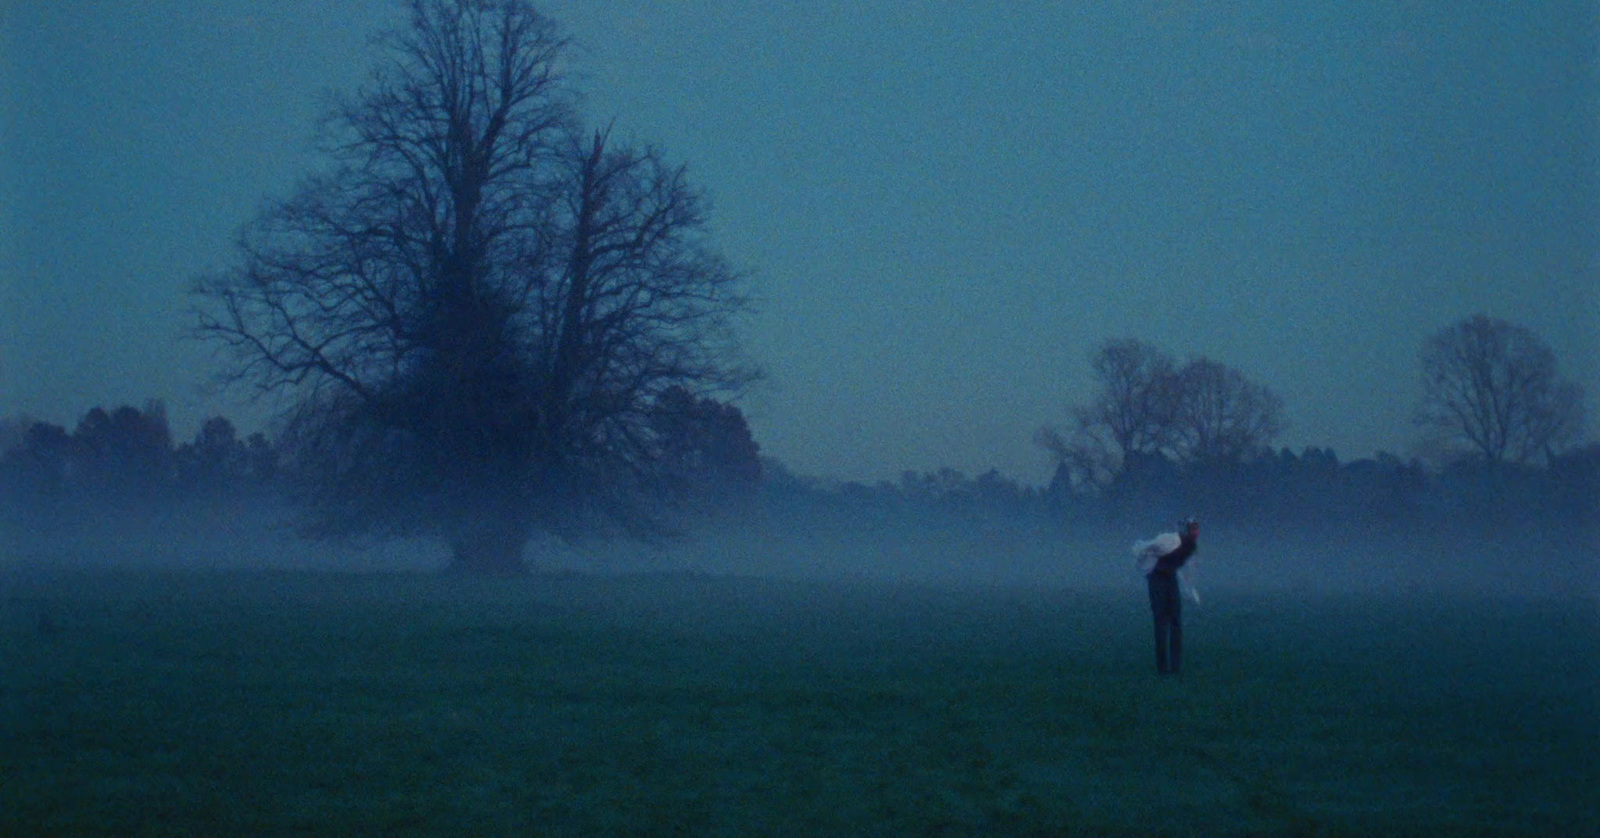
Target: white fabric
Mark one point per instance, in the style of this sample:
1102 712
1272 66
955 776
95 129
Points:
1148 552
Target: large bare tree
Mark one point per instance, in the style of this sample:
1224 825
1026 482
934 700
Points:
1146 407
1131 414
1492 387
474 310
1222 416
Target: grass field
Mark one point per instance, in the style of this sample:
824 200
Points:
239 703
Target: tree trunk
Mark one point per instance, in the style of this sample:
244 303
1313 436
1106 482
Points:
490 548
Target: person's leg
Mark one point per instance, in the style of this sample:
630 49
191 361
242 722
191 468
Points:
1160 608
1153 587
1175 632
1162 627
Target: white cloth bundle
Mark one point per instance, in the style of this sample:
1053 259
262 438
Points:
1147 553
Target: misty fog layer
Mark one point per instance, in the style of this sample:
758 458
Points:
827 539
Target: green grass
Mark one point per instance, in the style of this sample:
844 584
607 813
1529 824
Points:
289 703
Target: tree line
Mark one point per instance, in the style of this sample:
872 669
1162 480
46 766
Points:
1272 489
492 320
1502 428
126 459
1491 394
1500 433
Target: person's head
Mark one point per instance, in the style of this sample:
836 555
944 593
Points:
1189 526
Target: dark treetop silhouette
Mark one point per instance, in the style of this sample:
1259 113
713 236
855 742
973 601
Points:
476 310
1492 388
1148 409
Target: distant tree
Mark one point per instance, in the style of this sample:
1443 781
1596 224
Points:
1146 413
261 460
944 486
1383 488
33 471
476 311
1222 416
216 462
1132 413
124 454
1575 476
14 432
704 445
1492 388
999 493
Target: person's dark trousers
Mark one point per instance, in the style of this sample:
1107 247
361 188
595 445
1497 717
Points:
1167 607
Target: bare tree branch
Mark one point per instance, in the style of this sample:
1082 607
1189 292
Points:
479 305
1492 388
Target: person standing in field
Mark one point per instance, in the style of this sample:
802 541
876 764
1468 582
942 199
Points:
1160 560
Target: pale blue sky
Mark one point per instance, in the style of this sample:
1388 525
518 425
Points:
944 206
